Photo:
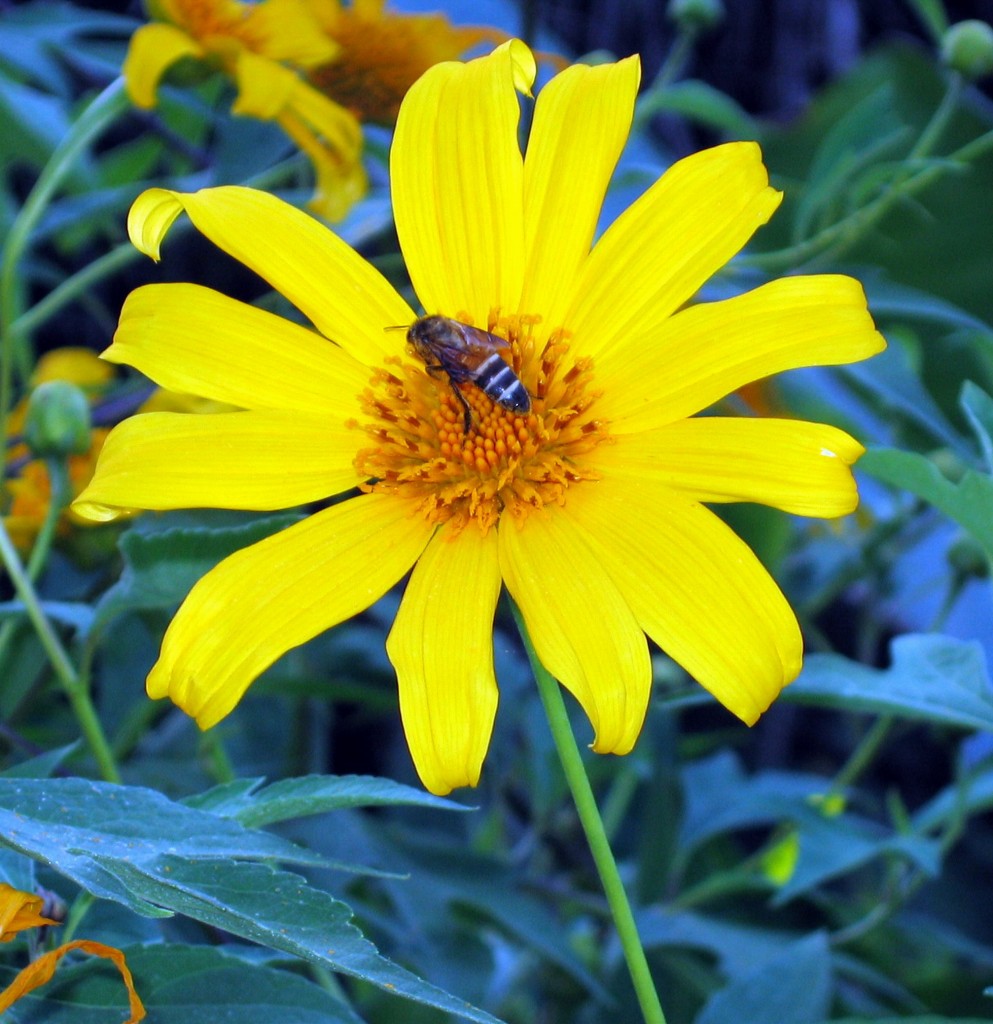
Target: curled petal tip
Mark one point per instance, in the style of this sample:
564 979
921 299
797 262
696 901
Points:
150 218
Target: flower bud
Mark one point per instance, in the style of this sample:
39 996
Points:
696 15
967 557
967 47
58 420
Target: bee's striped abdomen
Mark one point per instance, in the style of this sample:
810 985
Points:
499 382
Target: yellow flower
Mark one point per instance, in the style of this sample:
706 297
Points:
384 52
588 508
251 42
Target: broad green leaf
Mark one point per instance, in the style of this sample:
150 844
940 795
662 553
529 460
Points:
88 830
281 911
309 795
967 502
931 678
162 561
182 985
793 987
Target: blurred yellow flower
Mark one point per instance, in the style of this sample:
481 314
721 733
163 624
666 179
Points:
22 910
384 52
588 506
261 47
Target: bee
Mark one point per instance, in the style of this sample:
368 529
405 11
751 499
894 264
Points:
468 355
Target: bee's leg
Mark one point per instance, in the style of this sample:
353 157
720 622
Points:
466 410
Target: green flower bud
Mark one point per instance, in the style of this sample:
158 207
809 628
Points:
967 557
58 420
967 47
696 15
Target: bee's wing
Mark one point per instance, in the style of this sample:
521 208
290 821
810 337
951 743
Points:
480 341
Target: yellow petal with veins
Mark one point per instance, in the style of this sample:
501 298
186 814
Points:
441 645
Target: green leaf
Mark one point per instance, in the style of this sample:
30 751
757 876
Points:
890 378
156 857
720 798
309 795
890 299
737 947
700 102
978 408
68 613
182 985
162 561
926 1019
281 911
932 15
965 797
967 502
43 765
87 830
834 846
931 678
791 988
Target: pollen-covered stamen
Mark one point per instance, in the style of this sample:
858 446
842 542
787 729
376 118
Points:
506 461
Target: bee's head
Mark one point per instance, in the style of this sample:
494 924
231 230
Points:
425 334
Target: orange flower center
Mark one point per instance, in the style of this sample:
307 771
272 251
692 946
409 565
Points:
506 461
381 58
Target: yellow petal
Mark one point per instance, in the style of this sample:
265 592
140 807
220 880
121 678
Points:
342 294
793 465
152 51
707 351
582 629
331 137
40 971
441 645
194 340
19 911
289 31
658 253
275 595
263 86
82 366
581 122
695 588
244 460
457 178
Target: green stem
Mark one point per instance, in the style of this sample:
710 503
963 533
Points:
834 240
76 688
596 837
74 286
863 755
90 124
